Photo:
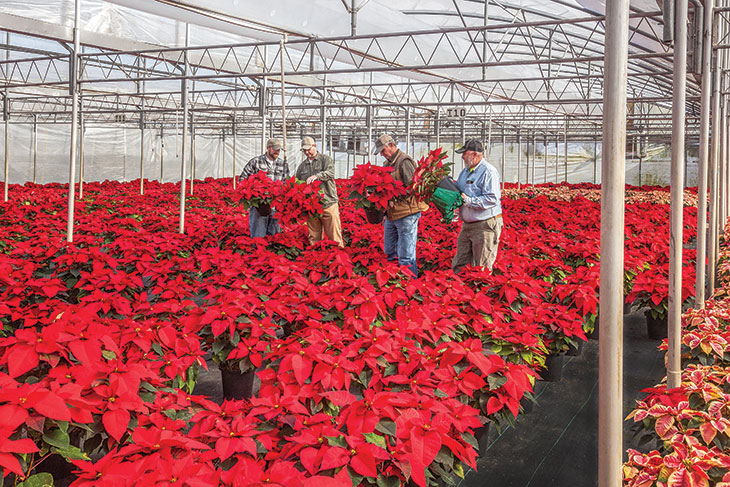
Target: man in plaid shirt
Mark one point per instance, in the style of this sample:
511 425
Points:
276 169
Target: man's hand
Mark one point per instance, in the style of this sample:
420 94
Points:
463 197
311 179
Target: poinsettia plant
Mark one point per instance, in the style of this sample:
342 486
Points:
430 170
373 187
297 201
258 190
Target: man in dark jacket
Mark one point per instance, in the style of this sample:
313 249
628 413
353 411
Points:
400 229
320 167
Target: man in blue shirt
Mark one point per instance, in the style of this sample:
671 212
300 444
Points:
481 213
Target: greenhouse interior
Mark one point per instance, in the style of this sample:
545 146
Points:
359 243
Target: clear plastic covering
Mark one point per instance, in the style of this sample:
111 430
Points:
114 152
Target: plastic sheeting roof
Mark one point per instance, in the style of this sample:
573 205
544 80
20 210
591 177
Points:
136 24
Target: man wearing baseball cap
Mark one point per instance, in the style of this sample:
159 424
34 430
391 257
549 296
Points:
481 213
400 228
277 170
320 167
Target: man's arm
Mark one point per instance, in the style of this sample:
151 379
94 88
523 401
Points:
249 169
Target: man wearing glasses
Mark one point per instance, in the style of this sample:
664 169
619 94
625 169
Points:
481 213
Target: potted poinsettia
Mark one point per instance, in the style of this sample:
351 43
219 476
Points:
296 202
373 187
431 182
258 191
234 327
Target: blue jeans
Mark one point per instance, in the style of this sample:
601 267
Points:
261 226
399 241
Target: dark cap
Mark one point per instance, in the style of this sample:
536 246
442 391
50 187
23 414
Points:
474 145
274 144
381 142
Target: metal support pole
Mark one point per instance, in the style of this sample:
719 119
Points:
141 150
595 160
192 154
484 40
263 108
557 159
223 154
82 136
610 357
519 157
283 98
489 137
679 97
369 124
235 150
534 157
74 89
437 127
183 154
323 116
35 149
408 130
544 163
637 150
722 162
565 150
704 150
6 117
668 12
504 154
162 154
714 155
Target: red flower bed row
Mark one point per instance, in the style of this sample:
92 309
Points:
382 379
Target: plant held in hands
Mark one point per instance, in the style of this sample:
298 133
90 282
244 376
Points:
374 186
258 190
429 173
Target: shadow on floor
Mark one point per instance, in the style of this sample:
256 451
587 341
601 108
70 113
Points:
556 445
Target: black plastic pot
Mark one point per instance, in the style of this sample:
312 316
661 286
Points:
656 327
374 215
553 368
237 385
264 209
59 468
575 350
482 436
448 183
